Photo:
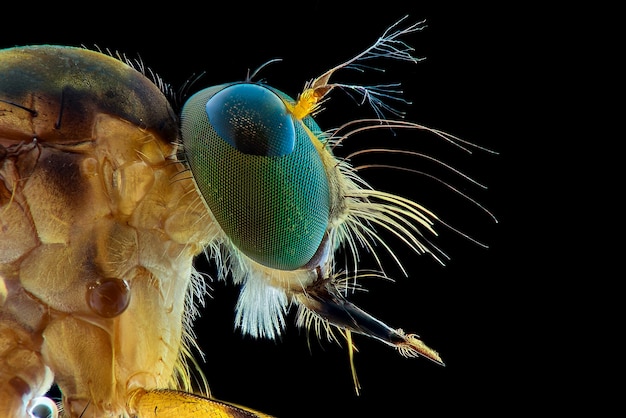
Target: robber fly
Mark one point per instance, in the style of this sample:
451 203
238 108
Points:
107 196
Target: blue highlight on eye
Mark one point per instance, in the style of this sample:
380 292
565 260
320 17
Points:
259 172
252 119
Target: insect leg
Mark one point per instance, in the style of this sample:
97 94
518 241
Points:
177 404
23 376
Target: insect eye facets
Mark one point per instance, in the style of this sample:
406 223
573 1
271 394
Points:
259 172
252 119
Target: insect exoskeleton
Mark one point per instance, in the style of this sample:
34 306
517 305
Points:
97 234
106 197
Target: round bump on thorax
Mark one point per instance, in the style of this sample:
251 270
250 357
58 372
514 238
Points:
108 297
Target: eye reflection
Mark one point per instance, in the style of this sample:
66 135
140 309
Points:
252 119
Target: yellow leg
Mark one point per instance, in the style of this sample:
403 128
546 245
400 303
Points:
176 404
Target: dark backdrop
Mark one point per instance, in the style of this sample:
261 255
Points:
462 87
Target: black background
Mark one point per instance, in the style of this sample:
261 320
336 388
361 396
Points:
464 87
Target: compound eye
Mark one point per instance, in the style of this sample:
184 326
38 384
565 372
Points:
252 119
259 171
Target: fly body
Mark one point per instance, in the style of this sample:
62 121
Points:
107 196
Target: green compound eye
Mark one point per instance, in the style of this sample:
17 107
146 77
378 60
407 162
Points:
259 172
